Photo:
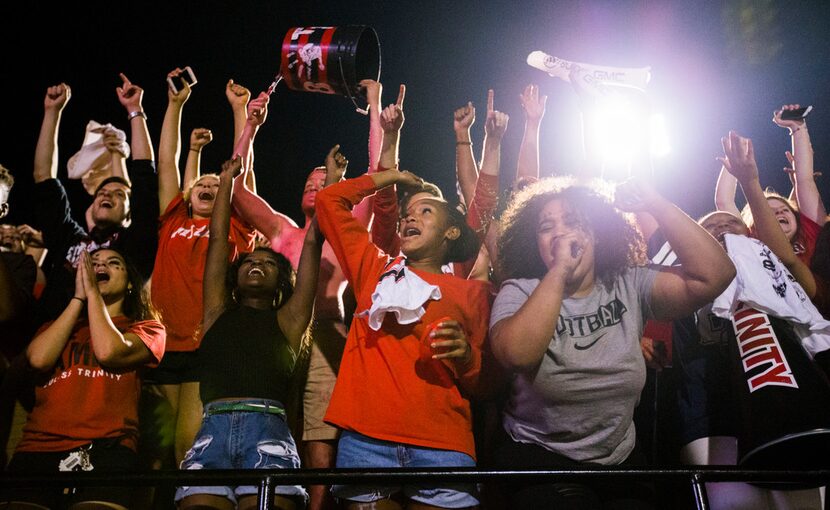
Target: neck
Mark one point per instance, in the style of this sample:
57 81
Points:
115 306
581 287
427 265
308 218
260 303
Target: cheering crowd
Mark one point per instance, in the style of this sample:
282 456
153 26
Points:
189 324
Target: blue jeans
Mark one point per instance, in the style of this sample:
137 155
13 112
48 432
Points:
358 451
242 440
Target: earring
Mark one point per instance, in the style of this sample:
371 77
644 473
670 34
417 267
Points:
233 296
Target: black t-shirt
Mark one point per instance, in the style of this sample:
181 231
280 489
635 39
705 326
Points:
66 239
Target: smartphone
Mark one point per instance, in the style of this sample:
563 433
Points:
186 76
797 114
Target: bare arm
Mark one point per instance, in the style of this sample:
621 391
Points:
534 108
725 190
806 192
46 150
199 137
519 342
216 263
704 271
170 145
294 317
130 96
740 161
112 348
466 170
364 211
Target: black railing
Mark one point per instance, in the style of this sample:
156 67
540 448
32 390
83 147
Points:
267 479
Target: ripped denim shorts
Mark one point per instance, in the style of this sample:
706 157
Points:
242 434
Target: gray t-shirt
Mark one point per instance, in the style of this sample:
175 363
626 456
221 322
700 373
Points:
580 402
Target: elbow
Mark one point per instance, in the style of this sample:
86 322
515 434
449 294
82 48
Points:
513 361
38 362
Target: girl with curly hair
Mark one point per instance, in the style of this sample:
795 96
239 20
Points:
568 320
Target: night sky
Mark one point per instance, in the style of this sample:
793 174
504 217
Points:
715 67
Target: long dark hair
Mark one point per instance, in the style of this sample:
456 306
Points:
618 243
137 305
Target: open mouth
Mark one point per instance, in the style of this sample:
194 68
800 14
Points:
207 196
411 231
255 271
106 204
102 277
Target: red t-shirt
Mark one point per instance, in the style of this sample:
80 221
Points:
180 266
809 232
383 389
82 401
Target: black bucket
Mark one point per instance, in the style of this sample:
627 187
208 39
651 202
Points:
330 60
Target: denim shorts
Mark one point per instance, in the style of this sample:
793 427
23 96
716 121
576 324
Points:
358 451
242 440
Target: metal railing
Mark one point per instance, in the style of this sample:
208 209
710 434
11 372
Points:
268 479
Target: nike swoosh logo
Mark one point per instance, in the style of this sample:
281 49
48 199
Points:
586 347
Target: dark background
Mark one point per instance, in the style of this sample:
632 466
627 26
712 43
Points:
715 66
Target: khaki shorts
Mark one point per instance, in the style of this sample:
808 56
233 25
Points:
328 338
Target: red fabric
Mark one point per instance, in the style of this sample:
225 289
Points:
180 265
383 389
479 216
809 233
82 401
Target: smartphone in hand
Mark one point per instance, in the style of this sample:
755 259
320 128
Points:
186 76
797 114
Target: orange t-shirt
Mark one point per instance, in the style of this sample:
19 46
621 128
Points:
179 269
384 389
82 401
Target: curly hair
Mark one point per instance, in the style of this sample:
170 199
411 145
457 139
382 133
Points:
618 243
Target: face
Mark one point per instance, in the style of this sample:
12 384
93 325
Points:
556 219
720 223
10 239
424 227
111 205
313 184
258 274
110 272
785 216
203 196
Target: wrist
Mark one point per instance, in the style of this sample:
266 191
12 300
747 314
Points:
462 135
136 113
81 299
197 150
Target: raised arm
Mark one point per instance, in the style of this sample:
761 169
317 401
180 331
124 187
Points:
807 194
739 160
46 150
130 97
295 315
725 190
170 144
534 108
385 206
238 97
112 348
216 262
118 154
365 210
466 170
705 270
199 137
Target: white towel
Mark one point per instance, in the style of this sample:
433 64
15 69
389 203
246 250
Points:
92 163
764 283
401 292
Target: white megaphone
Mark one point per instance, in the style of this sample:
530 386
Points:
620 76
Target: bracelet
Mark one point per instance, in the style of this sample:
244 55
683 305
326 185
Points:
135 114
463 143
79 299
196 150
794 131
